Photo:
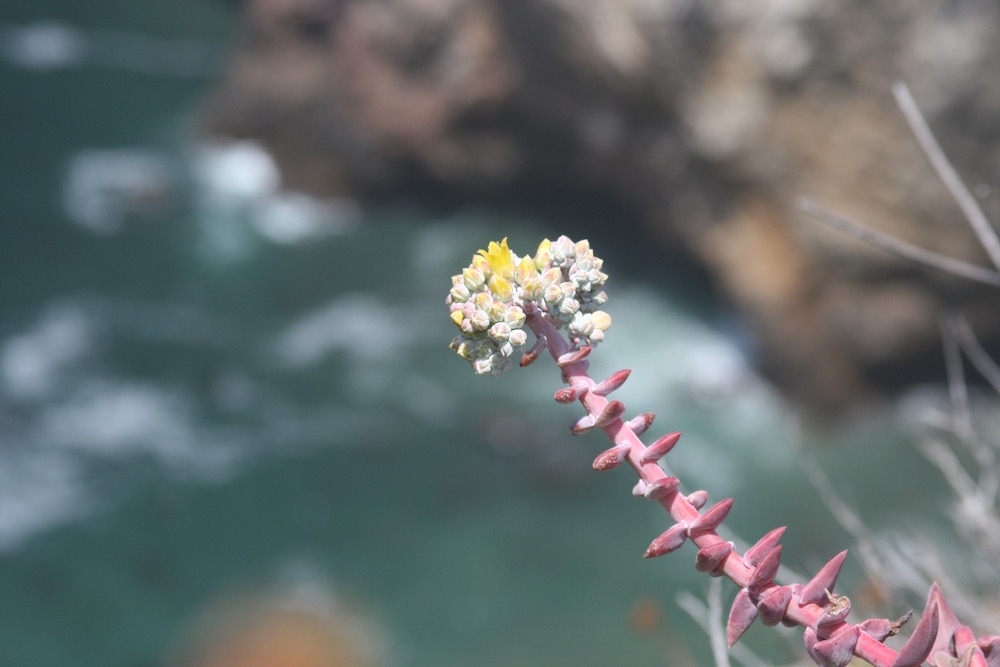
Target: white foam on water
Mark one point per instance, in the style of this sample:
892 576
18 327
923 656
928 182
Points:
104 189
34 363
49 45
38 491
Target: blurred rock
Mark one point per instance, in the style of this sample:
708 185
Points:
708 119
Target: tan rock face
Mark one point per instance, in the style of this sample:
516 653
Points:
708 119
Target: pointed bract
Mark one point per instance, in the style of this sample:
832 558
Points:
708 559
614 381
611 458
838 650
765 544
918 646
641 423
661 488
766 571
882 628
713 516
815 591
772 606
659 449
639 490
741 616
582 425
670 540
948 622
573 356
612 412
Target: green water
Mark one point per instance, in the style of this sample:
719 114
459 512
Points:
190 409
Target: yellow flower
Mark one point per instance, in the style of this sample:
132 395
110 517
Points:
542 256
500 258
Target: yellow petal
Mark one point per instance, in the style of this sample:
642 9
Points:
542 256
456 317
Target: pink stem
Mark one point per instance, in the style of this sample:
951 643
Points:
680 510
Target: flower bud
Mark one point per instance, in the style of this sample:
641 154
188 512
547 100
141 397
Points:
482 300
514 316
501 288
553 294
518 337
473 278
480 321
459 292
569 306
602 321
500 331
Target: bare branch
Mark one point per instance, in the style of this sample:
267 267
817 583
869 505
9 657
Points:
902 248
946 172
975 352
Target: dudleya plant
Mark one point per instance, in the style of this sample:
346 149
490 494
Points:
559 289
491 298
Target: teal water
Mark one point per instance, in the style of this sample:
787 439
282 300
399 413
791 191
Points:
210 387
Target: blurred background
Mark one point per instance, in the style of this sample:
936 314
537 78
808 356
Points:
231 430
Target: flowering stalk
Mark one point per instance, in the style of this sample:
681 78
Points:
533 292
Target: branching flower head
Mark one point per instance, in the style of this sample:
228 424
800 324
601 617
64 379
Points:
491 299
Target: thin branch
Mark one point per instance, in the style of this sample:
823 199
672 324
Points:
957 389
975 352
697 610
946 172
898 247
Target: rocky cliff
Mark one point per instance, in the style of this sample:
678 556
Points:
708 119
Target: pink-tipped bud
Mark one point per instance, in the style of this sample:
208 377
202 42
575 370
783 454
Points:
741 616
659 449
573 356
670 540
713 516
570 394
710 558
661 488
582 425
613 381
531 355
641 423
838 650
918 646
772 606
612 412
611 458
698 499
765 573
815 591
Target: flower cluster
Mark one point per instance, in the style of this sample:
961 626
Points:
489 301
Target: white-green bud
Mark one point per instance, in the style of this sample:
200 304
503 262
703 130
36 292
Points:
480 321
553 294
459 293
500 331
518 337
514 317
473 278
569 306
